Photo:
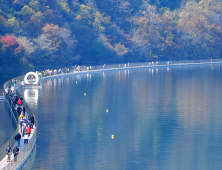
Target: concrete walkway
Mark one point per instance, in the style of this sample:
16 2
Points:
4 162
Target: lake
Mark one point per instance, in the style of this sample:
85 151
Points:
161 118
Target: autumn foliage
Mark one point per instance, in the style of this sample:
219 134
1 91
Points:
73 32
9 41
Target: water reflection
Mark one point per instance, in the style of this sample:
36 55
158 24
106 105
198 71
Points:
32 96
168 118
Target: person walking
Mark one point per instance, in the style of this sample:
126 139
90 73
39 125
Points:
28 130
15 152
23 128
8 152
21 122
32 119
19 110
21 116
30 123
19 102
26 137
24 110
17 138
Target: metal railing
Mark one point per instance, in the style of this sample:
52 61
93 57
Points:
22 154
19 82
2 92
25 152
10 143
75 69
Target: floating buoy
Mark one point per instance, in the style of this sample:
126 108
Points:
107 110
84 94
76 82
112 136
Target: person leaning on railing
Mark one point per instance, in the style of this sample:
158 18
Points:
32 121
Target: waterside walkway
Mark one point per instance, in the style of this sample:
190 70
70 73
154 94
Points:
4 163
24 149
48 74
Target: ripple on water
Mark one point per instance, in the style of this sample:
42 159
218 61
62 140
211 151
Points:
161 120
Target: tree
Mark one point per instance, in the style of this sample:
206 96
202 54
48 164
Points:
21 2
28 44
13 25
44 45
9 41
121 50
11 50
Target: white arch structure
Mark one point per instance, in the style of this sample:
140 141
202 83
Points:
34 74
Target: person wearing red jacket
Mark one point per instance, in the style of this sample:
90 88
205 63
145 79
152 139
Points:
28 130
19 102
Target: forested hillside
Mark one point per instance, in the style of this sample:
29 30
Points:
69 32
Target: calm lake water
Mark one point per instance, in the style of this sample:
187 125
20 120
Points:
6 124
161 119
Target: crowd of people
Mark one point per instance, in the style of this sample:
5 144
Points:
25 121
65 70
78 68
